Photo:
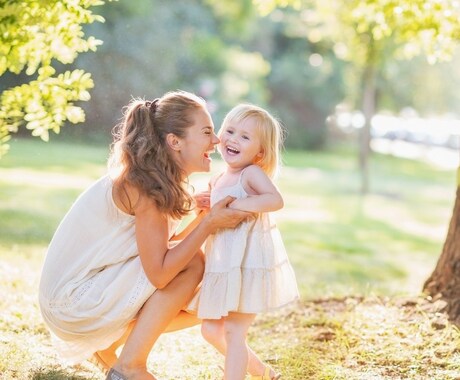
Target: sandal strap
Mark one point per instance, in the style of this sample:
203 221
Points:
113 374
267 373
265 376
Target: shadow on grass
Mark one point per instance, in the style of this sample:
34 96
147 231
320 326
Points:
57 374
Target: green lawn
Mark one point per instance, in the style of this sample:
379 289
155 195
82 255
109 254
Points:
340 244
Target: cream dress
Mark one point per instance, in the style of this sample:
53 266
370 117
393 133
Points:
247 268
92 283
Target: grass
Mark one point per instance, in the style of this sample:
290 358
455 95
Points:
360 264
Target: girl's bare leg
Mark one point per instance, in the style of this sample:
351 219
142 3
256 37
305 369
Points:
236 327
213 331
155 316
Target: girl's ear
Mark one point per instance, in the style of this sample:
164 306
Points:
173 142
259 156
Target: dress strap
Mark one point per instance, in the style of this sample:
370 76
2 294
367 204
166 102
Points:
213 181
241 175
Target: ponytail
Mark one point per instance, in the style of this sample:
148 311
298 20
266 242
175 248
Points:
140 156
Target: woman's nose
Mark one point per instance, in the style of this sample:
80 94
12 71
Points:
215 139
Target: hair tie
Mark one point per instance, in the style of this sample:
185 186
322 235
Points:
152 105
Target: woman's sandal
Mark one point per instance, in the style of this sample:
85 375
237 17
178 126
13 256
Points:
266 376
113 374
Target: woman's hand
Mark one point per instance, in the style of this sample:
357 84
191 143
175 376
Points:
221 216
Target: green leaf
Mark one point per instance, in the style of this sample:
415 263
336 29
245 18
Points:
33 33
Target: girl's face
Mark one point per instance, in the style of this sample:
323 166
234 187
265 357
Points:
240 144
198 144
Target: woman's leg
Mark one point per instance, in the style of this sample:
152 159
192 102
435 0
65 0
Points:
236 326
213 331
182 321
108 357
155 317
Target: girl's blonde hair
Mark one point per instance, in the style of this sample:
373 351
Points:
269 129
140 155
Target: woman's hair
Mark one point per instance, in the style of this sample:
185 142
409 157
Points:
270 132
140 155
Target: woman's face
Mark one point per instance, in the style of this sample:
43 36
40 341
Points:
198 144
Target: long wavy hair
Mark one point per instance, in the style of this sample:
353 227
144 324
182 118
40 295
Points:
269 129
140 156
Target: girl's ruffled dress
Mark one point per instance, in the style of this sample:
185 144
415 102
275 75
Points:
247 268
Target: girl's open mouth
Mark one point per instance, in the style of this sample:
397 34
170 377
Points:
232 150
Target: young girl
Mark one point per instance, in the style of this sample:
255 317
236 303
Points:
247 269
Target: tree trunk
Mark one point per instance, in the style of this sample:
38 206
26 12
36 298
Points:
368 107
444 282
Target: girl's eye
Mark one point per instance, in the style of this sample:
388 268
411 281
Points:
246 137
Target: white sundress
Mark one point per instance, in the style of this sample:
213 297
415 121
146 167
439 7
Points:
247 268
92 284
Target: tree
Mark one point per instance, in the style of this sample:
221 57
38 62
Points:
371 33
444 282
33 33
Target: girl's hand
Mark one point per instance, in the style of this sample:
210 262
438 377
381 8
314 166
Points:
221 216
202 200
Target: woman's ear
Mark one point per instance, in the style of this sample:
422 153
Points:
173 142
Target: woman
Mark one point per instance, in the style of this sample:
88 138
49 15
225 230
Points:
112 275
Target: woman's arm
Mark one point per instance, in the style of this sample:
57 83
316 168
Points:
190 227
263 194
161 263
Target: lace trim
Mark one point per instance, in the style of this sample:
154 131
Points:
140 286
69 302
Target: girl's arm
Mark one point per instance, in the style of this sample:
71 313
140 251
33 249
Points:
202 201
161 263
263 194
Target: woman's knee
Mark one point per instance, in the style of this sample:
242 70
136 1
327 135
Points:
196 266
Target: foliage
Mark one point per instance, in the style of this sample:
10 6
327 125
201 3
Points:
366 31
427 89
227 52
33 33
299 93
168 47
218 53
370 33
304 92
